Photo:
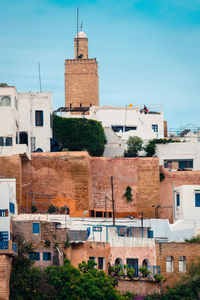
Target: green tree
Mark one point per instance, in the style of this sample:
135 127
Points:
77 134
134 144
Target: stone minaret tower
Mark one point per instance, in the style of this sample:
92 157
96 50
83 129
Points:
81 76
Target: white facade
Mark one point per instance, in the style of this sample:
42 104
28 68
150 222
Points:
187 202
8 204
20 133
125 122
179 155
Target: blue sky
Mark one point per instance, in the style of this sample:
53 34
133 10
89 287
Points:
147 50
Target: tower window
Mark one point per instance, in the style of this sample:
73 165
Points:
39 118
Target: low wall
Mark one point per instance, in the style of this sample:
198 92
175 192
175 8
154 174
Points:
5 263
139 287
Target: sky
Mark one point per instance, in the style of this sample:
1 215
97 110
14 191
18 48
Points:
147 50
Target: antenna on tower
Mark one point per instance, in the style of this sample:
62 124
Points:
77 38
39 77
81 27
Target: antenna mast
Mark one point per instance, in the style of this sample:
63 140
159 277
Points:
77 38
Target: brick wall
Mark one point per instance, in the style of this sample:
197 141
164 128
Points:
5 263
82 48
166 189
139 287
175 249
11 167
81 82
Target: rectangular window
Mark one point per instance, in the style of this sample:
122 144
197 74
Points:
133 263
36 227
101 263
187 163
39 118
3 236
197 199
182 264
34 256
3 212
46 255
177 199
169 264
117 128
99 214
32 144
150 234
12 208
155 127
93 258
128 128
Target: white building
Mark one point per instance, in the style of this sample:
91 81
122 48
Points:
187 202
122 122
8 208
183 155
25 121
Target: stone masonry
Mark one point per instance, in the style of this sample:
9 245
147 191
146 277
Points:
5 263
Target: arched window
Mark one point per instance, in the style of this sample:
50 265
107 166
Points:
145 263
182 264
118 261
23 137
169 264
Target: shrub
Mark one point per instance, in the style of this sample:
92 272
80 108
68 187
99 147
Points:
158 277
78 134
150 148
51 209
130 272
145 272
128 194
33 208
134 144
194 239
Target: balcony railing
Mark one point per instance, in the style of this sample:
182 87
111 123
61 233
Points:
8 247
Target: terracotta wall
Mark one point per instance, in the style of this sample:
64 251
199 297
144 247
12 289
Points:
166 189
175 249
139 287
141 174
11 167
78 253
64 175
5 263
82 182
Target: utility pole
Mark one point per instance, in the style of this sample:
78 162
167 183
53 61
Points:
113 201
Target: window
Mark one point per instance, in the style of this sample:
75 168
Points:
182 264
117 128
150 234
177 199
133 263
5 100
3 236
12 208
169 264
128 128
187 163
155 127
3 213
197 199
99 214
39 118
101 263
8 141
36 227
46 255
34 256
93 258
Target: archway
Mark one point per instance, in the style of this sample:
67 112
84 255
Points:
23 137
118 261
145 263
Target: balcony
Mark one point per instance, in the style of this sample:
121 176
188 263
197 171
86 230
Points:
8 247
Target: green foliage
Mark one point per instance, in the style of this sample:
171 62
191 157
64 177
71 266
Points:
33 208
150 148
84 283
128 194
130 272
134 144
2 84
52 209
194 240
158 277
77 134
145 272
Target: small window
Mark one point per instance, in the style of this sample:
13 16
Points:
117 128
5 100
99 214
3 236
12 208
34 256
8 141
93 258
128 128
46 255
80 104
36 227
39 118
101 263
197 199
155 127
3 213
177 199
182 264
169 264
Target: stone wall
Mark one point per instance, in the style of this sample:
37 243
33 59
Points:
141 174
11 167
139 287
175 249
166 189
5 263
